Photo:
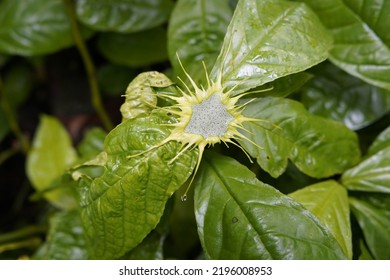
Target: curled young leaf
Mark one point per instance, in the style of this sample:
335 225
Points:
140 95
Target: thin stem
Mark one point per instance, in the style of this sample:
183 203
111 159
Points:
4 155
29 243
22 233
89 66
12 120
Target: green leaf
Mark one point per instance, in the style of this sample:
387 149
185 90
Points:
51 154
113 79
328 201
269 39
65 240
240 217
4 59
17 84
136 49
152 247
33 27
123 15
196 32
361 37
336 95
317 146
365 254
140 94
372 174
4 127
121 207
92 143
283 86
381 142
92 158
375 223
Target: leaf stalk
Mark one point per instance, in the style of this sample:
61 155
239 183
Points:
96 99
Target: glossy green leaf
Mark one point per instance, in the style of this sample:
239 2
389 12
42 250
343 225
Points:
361 37
121 207
269 39
33 27
196 32
375 224
92 158
240 217
317 146
140 94
328 201
152 247
284 86
381 142
92 143
281 87
372 174
136 49
336 95
65 239
123 15
365 254
51 154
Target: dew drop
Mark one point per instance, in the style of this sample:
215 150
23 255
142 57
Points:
184 198
234 220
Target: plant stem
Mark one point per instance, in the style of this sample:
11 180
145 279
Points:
12 120
32 243
96 99
4 155
22 233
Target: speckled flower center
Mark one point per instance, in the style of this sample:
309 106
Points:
210 118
